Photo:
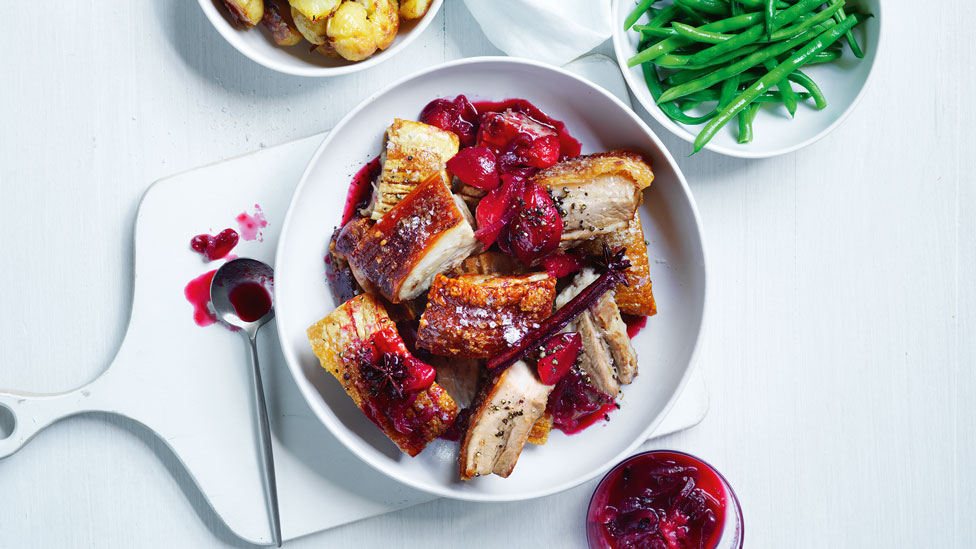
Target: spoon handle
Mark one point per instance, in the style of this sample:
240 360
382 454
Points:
267 458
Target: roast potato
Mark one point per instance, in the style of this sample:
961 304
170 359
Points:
315 9
277 18
360 27
244 13
313 31
414 9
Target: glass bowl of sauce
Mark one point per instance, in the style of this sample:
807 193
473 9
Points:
664 499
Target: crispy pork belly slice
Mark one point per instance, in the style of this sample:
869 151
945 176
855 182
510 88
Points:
490 263
428 232
501 422
607 358
596 194
414 153
479 316
341 339
637 297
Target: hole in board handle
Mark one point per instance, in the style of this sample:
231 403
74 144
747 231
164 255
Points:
7 422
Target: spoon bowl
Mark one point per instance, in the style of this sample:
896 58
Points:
242 293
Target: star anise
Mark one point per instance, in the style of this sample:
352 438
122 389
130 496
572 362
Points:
613 263
386 374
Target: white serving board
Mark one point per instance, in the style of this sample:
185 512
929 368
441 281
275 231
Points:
189 385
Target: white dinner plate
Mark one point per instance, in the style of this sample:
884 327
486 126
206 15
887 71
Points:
256 44
843 82
666 347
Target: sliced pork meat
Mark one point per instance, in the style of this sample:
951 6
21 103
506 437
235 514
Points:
607 358
596 194
502 421
606 317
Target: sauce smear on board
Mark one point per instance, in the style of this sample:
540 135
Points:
197 292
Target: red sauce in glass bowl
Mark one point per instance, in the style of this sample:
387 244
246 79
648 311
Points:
663 500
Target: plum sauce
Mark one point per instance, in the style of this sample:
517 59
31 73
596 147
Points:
662 500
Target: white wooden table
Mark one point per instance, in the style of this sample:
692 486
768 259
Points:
841 350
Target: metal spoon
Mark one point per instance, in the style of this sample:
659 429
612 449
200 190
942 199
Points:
230 308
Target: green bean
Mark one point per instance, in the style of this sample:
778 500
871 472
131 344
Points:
803 80
806 23
766 97
659 32
825 57
683 76
746 119
851 41
729 88
785 90
699 35
797 60
696 17
761 4
672 61
741 66
670 44
793 12
773 22
686 104
664 16
670 109
736 7
770 13
723 59
742 39
642 7
713 7
680 62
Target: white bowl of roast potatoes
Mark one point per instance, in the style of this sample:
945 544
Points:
320 37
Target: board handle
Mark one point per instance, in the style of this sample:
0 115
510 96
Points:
32 412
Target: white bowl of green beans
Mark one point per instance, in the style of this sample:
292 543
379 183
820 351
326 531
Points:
748 78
